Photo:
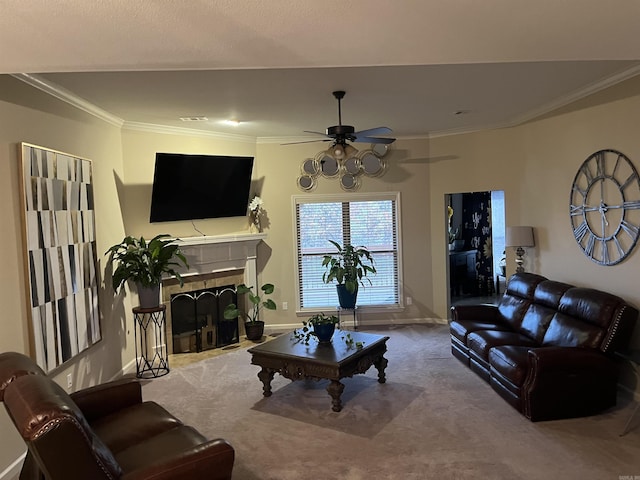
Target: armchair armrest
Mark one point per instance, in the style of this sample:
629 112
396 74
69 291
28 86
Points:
212 460
107 398
480 312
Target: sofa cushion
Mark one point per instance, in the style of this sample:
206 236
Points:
510 362
460 329
482 341
589 305
567 331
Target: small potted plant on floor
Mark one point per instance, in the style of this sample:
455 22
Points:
254 327
144 263
348 268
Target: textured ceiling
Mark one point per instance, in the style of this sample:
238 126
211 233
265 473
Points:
406 64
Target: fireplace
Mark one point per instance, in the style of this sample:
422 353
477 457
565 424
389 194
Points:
197 319
216 265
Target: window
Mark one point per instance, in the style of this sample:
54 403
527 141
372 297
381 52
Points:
371 220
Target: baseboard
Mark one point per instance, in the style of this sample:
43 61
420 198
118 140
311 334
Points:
285 327
12 472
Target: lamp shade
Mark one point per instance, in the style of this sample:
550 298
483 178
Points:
519 237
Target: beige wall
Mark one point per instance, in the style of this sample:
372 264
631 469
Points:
36 119
534 164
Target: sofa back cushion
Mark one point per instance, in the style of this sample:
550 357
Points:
56 432
517 298
546 299
586 318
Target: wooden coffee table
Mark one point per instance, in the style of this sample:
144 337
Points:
333 361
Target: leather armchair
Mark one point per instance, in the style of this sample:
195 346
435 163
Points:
103 432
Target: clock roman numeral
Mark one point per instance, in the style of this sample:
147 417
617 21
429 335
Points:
631 205
580 231
576 210
591 242
628 181
576 188
605 251
618 246
600 165
586 172
630 228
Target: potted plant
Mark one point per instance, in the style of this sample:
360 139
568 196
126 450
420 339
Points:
144 263
254 327
322 327
319 325
348 268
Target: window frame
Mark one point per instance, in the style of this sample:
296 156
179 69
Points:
341 198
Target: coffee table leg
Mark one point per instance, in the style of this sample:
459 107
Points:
266 375
381 364
335 389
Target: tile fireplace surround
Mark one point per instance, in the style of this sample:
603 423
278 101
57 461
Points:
214 261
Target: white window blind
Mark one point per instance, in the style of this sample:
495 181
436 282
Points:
370 222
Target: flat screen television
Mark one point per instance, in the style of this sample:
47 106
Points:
190 187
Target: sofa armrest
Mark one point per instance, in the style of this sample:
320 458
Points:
480 312
567 382
104 399
566 359
212 460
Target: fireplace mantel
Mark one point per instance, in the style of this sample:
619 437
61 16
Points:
210 254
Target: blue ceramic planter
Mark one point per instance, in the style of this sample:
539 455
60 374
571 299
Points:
345 298
324 331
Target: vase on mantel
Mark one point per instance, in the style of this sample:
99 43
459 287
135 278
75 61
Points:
255 226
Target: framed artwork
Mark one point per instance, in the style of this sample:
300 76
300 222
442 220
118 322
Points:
60 254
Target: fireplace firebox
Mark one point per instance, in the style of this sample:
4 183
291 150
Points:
197 320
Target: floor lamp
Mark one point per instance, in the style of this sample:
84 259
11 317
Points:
520 237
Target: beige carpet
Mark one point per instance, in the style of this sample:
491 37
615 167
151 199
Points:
433 418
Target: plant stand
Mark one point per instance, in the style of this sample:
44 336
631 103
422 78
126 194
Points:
150 339
346 312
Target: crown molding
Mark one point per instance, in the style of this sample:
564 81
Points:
78 102
192 132
66 96
574 96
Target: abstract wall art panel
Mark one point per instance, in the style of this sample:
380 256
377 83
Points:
60 254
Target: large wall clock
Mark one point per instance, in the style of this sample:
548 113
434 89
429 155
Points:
605 207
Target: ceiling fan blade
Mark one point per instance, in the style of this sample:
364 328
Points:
374 140
308 141
373 131
316 133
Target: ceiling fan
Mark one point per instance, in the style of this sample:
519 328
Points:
340 134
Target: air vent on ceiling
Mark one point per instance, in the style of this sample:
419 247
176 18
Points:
194 119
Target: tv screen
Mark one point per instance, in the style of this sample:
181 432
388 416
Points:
190 187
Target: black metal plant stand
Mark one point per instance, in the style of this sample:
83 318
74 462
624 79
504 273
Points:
151 342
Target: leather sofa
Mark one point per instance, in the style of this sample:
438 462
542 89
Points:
546 347
102 432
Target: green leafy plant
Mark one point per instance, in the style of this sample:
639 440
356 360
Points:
144 262
349 266
306 333
232 311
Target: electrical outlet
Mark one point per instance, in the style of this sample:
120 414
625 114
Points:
69 381
409 300
285 305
